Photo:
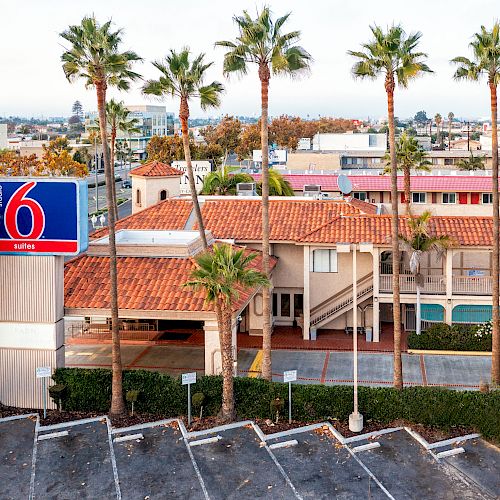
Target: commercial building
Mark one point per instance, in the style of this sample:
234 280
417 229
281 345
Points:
349 142
3 136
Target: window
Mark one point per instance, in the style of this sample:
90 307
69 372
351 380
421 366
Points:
285 305
163 194
360 196
138 197
418 197
298 304
449 198
324 261
275 304
487 198
448 161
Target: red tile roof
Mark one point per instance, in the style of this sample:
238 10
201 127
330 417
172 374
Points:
144 283
156 169
376 229
289 219
427 183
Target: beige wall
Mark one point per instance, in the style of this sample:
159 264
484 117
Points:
444 209
289 270
150 188
302 161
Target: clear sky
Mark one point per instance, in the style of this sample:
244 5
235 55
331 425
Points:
32 82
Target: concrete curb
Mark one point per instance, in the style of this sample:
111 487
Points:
18 417
449 353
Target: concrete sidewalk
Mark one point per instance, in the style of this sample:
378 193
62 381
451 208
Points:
314 367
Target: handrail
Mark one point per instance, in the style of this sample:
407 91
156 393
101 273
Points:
347 289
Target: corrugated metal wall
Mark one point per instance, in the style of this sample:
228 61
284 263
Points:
31 288
18 383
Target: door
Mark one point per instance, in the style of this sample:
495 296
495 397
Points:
462 198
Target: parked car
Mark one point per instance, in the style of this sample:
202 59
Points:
126 184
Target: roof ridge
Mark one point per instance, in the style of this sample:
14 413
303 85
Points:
321 226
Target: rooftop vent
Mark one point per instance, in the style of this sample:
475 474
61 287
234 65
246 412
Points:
246 189
312 190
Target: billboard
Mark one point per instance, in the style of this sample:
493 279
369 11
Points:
43 216
200 170
275 155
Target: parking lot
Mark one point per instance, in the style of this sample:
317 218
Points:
89 459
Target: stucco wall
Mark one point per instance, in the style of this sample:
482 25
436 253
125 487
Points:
150 188
289 271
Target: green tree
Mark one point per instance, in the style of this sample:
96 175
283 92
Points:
418 244
278 185
451 115
184 79
438 120
261 42
221 182
421 118
471 163
221 272
226 134
94 55
393 55
486 61
410 155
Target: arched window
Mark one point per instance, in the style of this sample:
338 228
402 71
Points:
163 194
138 197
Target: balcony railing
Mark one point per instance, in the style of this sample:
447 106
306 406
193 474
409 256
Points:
99 331
472 285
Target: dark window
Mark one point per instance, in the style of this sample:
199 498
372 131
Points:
163 194
298 304
275 304
285 305
138 197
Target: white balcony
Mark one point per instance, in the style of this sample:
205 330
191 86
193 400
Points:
472 285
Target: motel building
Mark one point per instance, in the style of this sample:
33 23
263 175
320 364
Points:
319 247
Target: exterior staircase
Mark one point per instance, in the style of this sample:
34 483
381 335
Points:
340 303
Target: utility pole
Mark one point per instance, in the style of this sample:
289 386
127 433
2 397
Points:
468 137
96 176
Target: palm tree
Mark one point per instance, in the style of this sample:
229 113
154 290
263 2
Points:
410 155
418 244
438 119
392 54
261 42
278 185
184 79
221 182
94 55
471 163
220 272
486 61
451 115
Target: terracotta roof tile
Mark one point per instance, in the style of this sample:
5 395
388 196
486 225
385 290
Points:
150 284
156 169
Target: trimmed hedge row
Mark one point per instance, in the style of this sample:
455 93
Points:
443 337
160 394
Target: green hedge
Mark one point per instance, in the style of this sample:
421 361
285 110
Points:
160 394
441 336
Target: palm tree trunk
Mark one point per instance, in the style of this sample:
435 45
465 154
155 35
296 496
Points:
184 116
449 136
398 367
407 181
226 343
264 76
117 403
418 314
495 355
114 206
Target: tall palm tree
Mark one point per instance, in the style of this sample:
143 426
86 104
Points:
471 163
438 119
418 244
180 77
262 43
220 272
393 55
410 155
486 61
94 55
451 115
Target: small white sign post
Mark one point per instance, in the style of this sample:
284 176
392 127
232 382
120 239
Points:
188 379
44 372
290 376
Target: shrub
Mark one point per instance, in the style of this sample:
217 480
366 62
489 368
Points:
90 390
441 336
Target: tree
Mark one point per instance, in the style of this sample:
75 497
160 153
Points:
184 79
486 61
94 55
221 182
287 131
421 118
165 149
220 272
249 140
77 110
471 163
60 164
438 119
278 185
226 134
262 43
418 244
58 145
393 55
409 155
450 123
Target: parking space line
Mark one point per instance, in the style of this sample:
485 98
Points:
297 430
422 369
33 459
113 460
446 442
52 435
71 423
283 473
18 417
325 367
256 366
146 425
139 356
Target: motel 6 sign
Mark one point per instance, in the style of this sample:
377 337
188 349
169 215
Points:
43 216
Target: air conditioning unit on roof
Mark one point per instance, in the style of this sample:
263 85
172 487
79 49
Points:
312 190
246 189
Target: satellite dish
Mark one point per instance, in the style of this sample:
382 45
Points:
344 184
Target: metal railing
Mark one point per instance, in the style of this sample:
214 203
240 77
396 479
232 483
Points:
432 284
102 331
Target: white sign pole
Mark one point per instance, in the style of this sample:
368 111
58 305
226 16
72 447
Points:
188 379
43 372
290 376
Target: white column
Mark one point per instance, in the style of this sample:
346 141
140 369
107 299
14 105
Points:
307 295
376 292
213 360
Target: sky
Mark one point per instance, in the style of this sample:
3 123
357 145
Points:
32 82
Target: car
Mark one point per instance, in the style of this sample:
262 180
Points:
126 184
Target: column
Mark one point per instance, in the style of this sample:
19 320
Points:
213 360
307 295
376 293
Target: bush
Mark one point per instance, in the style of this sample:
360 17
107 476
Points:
162 395
441 336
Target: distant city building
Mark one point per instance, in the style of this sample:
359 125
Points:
349 142
3 136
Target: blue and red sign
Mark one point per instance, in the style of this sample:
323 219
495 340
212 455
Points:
43 216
